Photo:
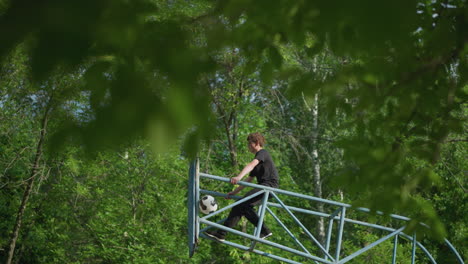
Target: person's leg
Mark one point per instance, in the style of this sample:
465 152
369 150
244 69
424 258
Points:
250 213
243 209
231 221
233 218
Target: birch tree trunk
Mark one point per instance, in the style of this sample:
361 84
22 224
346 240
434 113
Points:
29 185
316 171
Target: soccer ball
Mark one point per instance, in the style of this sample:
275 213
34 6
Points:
208 204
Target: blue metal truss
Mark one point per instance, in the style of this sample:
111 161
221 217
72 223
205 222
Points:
336 219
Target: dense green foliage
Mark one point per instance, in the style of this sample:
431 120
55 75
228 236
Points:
125 93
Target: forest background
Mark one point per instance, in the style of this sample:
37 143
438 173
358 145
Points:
105 103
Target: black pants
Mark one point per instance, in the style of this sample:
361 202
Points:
246 209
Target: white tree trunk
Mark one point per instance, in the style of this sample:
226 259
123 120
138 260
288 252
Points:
316 163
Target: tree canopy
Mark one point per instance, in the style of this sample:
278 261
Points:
200 75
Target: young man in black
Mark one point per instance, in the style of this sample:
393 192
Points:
262 168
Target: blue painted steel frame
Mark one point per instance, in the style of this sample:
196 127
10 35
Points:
192 215
339 215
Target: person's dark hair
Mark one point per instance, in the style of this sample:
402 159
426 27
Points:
256 138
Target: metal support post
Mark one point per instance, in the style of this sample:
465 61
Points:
258 228
395 246
413 251
340 233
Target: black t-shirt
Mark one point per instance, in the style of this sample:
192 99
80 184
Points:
265 171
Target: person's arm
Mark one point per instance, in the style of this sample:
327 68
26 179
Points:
248 168
238 189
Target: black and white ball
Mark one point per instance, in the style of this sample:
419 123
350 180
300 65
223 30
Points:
208 204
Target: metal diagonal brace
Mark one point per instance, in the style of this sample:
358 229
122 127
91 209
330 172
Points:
266 242
364 249
234 204
303 227
288 231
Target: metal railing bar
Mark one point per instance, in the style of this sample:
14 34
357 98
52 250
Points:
234 204
255 250
306 211
209 227
364 249
302 226
214 193
395 216
308 197
266 242
427 252
357 222
454 251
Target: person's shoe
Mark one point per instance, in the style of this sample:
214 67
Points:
215 235
264 236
